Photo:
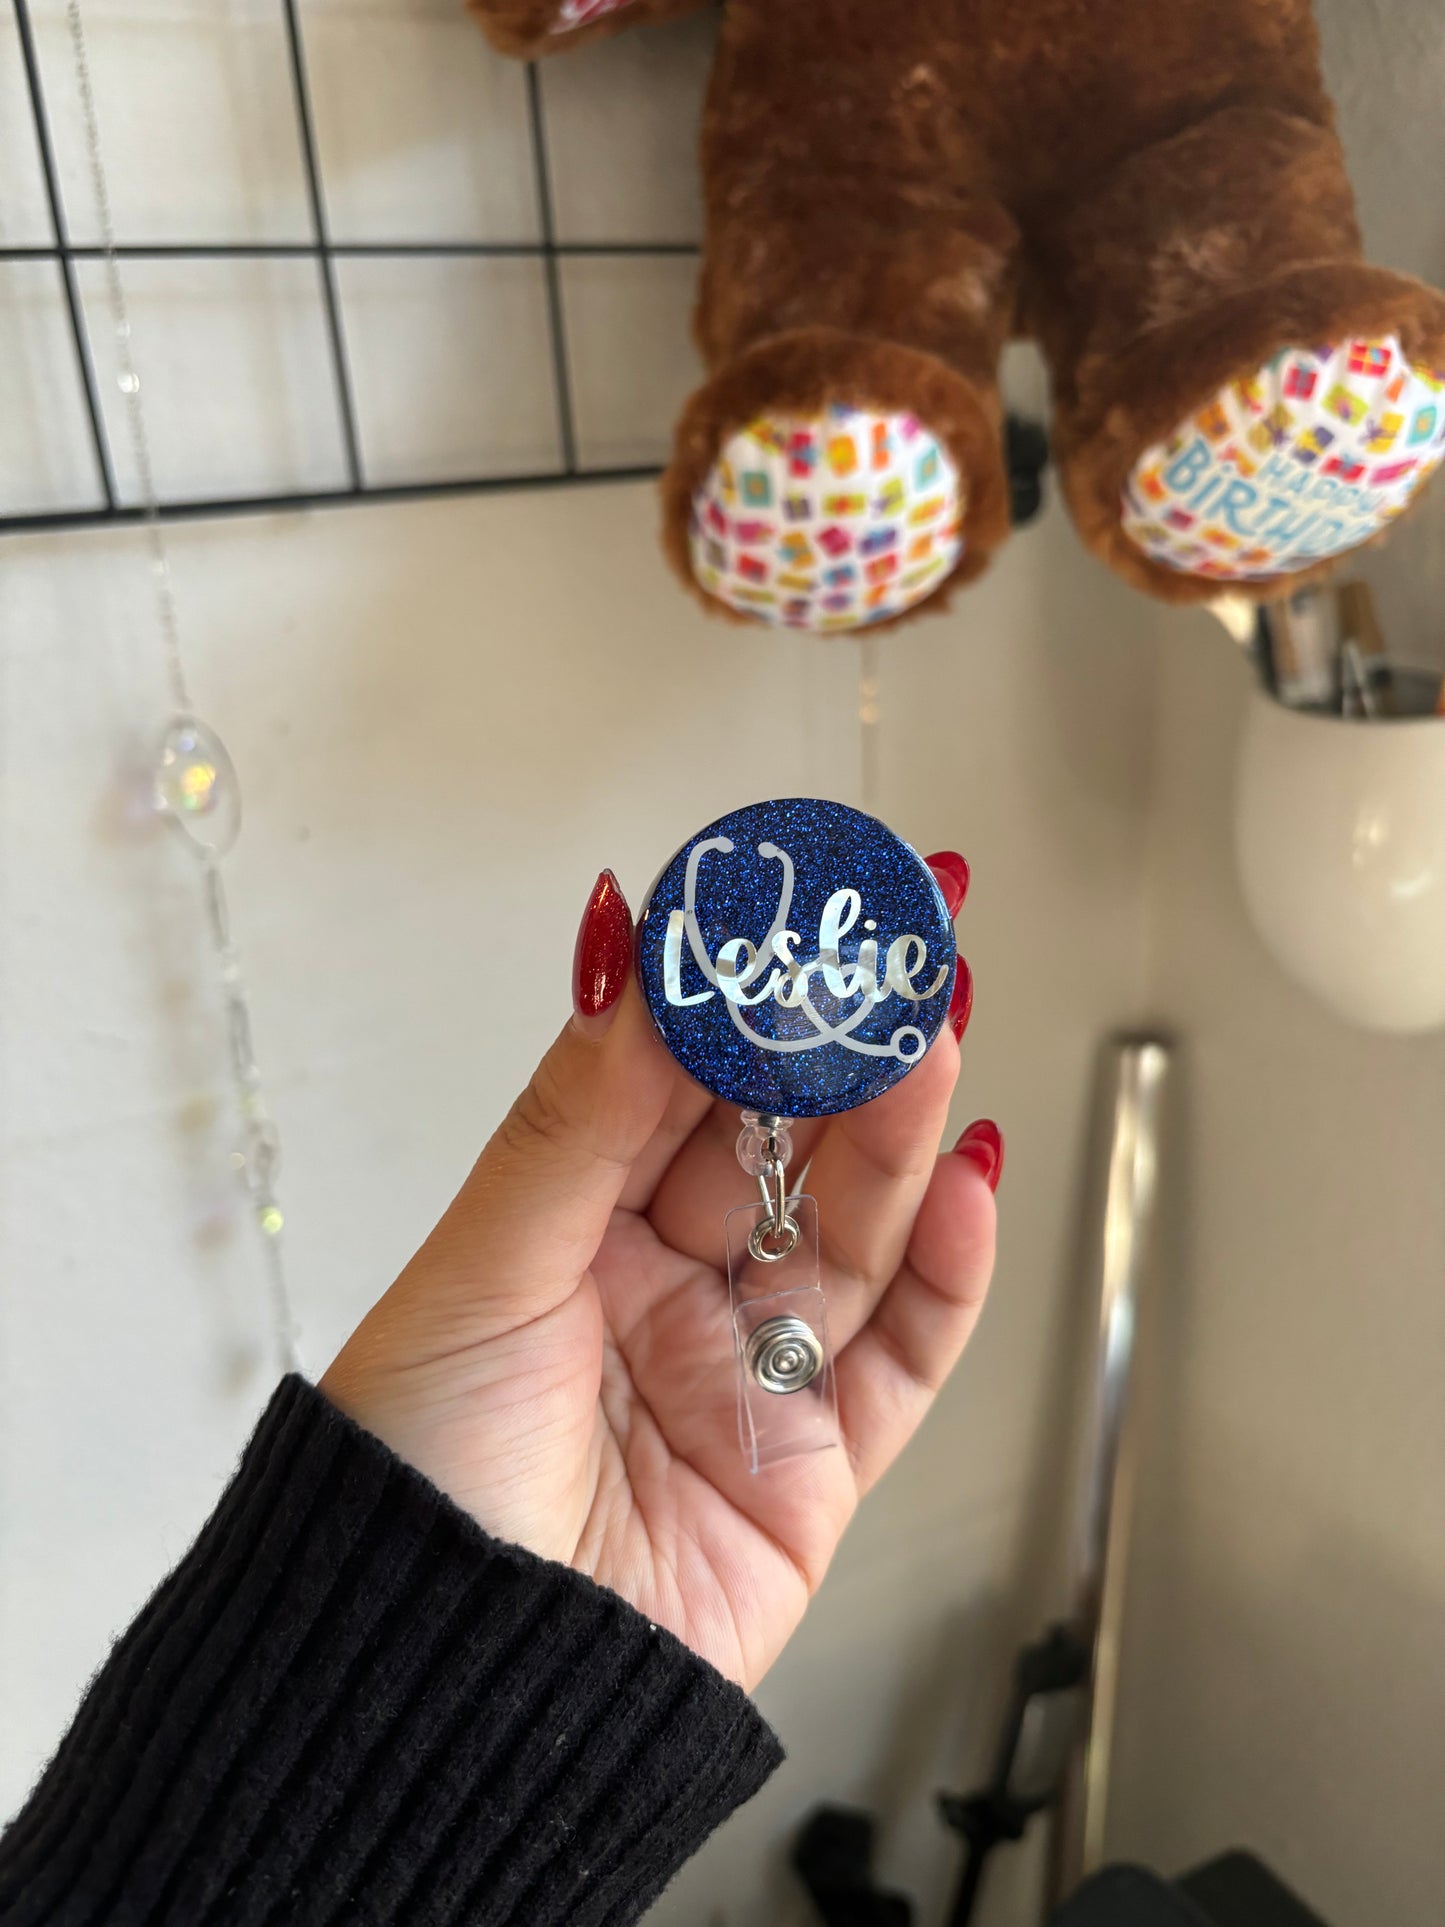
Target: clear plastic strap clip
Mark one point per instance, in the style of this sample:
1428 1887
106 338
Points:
787 1400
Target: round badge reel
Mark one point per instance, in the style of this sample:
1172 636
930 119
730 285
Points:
798 960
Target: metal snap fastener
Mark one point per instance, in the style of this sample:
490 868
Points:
784 1355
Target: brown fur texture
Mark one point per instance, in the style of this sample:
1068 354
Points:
1153 188
900 279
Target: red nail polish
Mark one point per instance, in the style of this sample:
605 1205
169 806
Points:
950 872
982 1145
604 949
960 1007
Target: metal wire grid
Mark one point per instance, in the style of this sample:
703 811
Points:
325 252
1026 451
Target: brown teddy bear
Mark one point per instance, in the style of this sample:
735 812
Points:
1153 189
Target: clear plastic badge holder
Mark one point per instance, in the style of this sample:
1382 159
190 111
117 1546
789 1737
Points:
787 1400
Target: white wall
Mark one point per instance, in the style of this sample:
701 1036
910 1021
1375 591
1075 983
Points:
447 719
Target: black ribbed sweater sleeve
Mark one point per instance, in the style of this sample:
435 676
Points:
348 1704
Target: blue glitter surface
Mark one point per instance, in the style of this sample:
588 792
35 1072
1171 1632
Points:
833 848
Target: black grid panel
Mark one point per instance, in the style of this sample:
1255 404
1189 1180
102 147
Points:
324 252
1026 451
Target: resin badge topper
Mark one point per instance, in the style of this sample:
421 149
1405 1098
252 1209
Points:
798 959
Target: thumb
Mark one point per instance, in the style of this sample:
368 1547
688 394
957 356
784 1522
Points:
529 1218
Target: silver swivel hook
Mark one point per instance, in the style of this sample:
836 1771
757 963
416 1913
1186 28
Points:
764 1146
783 1354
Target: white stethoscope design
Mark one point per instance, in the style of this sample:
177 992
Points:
739 964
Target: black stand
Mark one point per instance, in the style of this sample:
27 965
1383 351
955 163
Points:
1043 1719
833 1857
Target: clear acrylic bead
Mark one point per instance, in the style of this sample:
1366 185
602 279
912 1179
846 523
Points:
195 785
754 1152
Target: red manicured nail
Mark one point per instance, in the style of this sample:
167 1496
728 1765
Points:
604 950
982 1144
950 872
960 1007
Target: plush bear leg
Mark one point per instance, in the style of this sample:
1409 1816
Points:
843 462
530 28
1239 398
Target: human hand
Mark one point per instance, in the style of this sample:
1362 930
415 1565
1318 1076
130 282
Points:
558 1356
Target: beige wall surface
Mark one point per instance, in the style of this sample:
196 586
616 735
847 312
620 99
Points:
1285 1675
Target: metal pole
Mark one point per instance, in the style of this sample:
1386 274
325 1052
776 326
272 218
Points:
1126 1216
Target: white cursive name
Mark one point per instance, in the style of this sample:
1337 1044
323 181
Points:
740 965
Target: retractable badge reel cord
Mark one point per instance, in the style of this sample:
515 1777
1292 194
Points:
798 959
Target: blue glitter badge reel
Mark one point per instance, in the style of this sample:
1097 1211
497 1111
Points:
798 959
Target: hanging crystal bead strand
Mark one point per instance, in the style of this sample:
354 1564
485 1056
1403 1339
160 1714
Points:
258 1156
195 782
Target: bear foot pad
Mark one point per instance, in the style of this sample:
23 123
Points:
827 522
1314 456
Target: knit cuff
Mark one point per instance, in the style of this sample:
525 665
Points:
349 1703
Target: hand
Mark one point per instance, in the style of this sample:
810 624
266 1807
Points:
558 1356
